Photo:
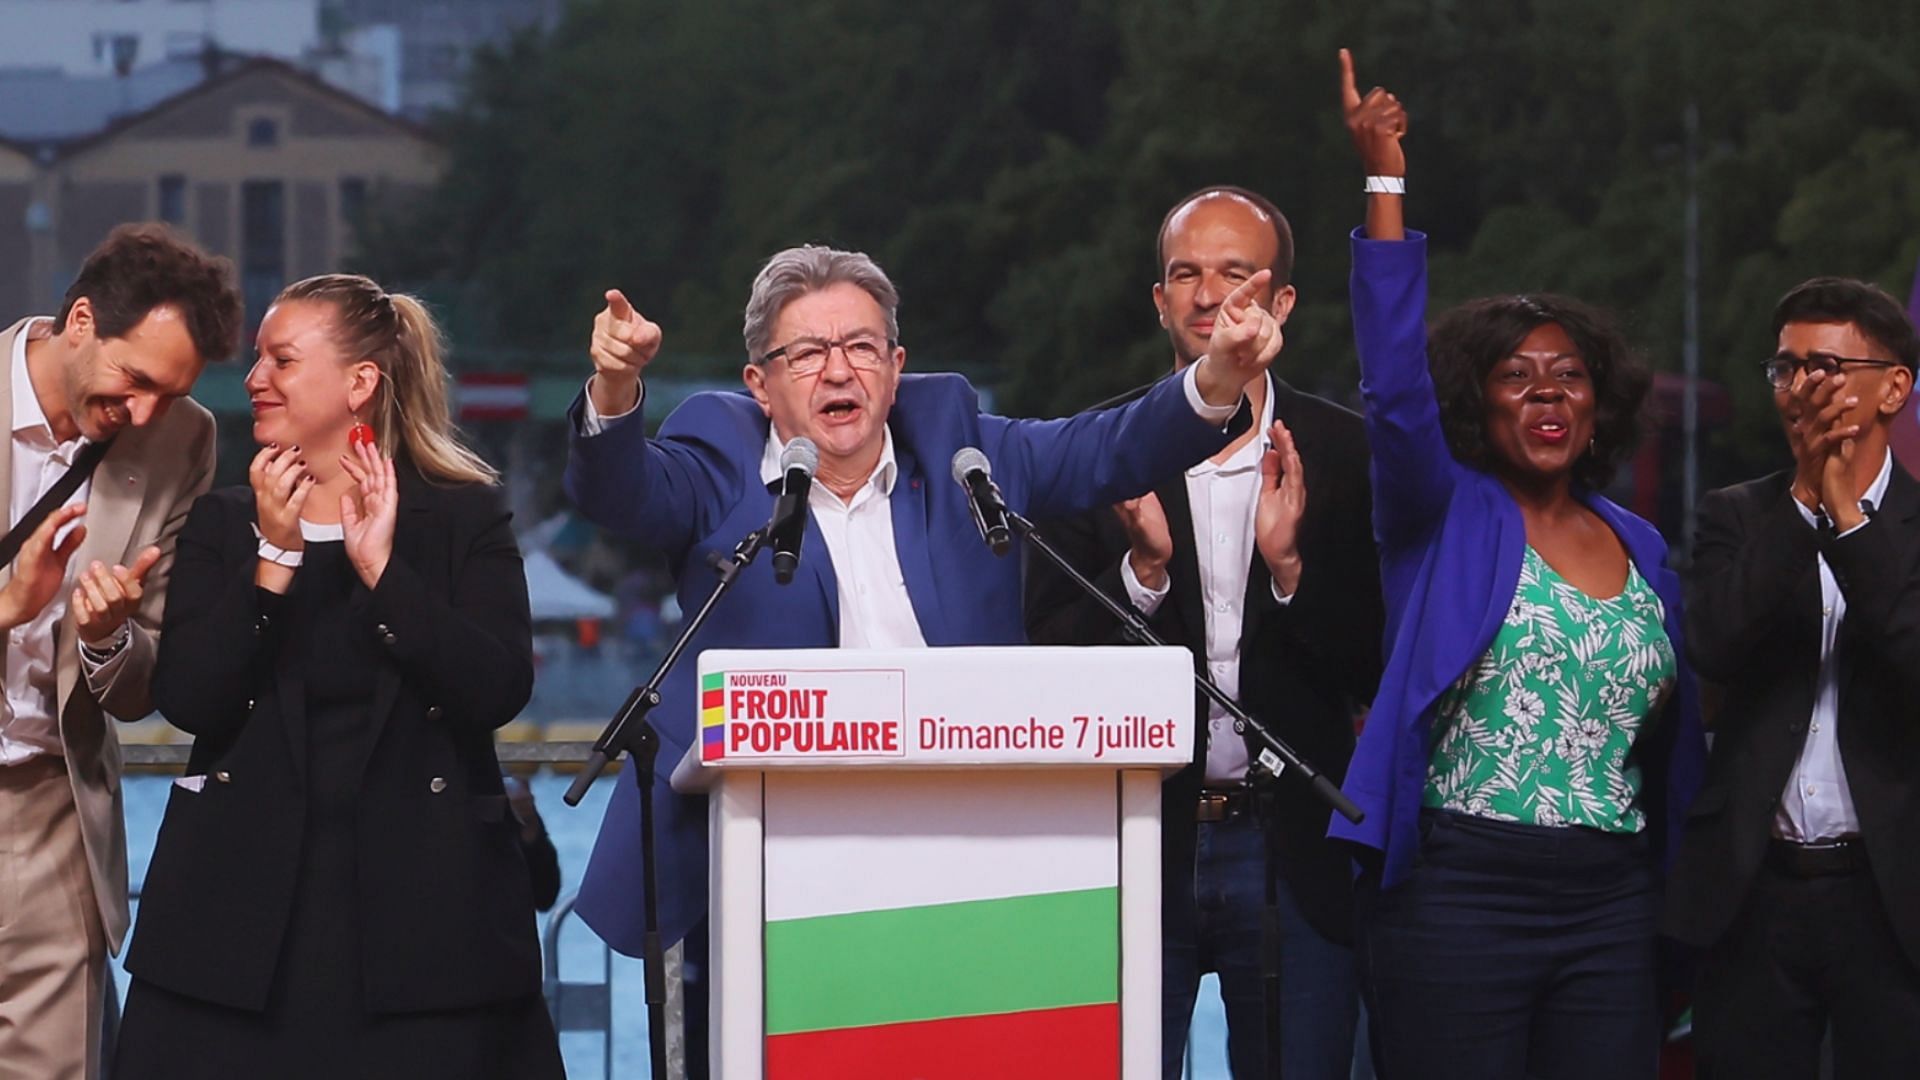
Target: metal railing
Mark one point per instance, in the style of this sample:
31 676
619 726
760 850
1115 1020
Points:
161 756
577 1006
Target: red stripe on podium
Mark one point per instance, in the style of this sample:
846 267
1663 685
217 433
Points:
1045 1044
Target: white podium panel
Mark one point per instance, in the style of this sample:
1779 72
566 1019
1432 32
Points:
938 863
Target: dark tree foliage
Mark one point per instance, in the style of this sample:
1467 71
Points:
1008 161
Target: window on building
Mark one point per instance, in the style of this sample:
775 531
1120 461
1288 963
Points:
118 50
263 246
172 202
263 131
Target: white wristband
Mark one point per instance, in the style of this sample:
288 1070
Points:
276 554
1386 185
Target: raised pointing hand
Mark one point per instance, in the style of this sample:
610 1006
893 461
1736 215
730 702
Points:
1377 123
1246 337
624 342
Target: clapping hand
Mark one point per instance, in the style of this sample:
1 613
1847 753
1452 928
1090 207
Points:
1816 409
368 513
1282 503
40 567
281 484
1149 539
106 597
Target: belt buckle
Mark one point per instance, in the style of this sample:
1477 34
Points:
1217 806
1820 858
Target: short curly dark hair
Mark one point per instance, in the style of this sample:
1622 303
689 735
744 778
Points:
144 266
1465 343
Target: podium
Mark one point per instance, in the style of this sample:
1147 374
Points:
937 863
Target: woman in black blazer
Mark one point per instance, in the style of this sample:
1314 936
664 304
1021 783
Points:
337 889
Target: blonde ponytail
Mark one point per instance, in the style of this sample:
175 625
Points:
409 410
416 401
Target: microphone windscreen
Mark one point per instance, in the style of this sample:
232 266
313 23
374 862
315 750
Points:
800 454
966 460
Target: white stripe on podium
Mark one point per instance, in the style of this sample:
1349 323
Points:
909 838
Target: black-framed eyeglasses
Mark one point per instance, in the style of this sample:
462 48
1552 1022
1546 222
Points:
807 356
1782 368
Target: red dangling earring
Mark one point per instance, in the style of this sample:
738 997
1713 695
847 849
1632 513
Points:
360 434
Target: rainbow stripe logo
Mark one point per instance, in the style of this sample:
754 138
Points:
713 716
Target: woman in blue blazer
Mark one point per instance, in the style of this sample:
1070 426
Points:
1535 734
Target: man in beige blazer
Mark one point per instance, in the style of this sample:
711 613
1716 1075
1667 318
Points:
145 316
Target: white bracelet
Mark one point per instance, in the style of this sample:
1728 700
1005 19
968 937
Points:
1386 185
276 554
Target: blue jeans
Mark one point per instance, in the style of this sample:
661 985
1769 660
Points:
1215 926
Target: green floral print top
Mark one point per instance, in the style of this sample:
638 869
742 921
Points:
1539 730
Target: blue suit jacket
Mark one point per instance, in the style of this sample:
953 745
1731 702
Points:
1451 544
696 490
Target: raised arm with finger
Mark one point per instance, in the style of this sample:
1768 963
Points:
1411 459
624 343
1377 123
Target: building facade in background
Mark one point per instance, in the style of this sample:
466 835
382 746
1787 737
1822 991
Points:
407 56
262 162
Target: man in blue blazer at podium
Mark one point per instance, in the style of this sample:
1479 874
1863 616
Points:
891 556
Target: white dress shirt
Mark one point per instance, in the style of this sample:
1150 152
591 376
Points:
1817 804
1224 498
875 610
29 722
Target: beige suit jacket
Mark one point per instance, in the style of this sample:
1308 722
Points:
140 496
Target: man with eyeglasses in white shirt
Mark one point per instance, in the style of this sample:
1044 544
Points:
1799 873
891 555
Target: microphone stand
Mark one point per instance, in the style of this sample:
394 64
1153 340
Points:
629 732
1271 936
1275 756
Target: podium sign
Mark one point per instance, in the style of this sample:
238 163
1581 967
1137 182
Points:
938 862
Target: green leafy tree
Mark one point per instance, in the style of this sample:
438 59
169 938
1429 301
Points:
1008 163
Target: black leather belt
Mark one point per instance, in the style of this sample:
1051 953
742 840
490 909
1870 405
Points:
1223 804
1843 855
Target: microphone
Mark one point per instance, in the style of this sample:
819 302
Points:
972 471
788 526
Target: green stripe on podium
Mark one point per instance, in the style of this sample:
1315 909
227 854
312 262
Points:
978 957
